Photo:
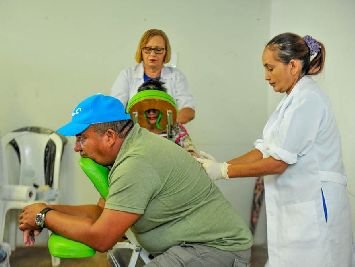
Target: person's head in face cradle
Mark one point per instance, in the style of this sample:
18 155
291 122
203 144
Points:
288 57
152 114
100 125
154 50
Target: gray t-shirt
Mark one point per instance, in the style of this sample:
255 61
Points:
179 203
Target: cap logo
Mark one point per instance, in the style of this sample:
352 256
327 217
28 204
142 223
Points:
95 109
76 112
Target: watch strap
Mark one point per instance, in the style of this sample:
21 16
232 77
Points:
44 212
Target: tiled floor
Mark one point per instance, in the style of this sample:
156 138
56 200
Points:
39 257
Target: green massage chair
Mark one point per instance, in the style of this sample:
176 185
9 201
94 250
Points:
61 247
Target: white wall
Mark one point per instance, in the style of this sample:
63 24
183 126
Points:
332 22
55 53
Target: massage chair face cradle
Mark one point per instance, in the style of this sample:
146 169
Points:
145 101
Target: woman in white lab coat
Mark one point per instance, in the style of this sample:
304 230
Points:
308 214
152 53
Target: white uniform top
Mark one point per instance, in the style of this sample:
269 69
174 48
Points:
128 81
302 132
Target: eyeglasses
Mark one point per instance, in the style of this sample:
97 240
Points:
157 50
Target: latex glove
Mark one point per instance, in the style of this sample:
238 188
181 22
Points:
215 170
205 155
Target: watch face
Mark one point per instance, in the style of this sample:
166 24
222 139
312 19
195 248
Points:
39 220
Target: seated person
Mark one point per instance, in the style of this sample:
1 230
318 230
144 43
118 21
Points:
151 118
151 106
149 110
175 214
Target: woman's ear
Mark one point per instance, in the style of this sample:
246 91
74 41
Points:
296 66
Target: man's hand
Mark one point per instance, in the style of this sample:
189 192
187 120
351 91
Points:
28 215
27 223
214 169
29 237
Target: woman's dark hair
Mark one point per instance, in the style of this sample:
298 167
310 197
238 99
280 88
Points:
292 46
152 84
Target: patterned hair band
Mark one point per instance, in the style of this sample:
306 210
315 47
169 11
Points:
313 45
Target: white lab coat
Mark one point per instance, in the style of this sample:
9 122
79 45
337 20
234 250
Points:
302 132
128 81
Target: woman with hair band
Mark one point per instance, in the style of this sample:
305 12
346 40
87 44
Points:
307 207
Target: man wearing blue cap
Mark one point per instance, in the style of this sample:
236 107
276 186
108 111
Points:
155 188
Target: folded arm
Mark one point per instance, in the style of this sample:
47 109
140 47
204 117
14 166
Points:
89 211
101 235
99 230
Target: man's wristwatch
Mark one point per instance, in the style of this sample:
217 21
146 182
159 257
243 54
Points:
41 216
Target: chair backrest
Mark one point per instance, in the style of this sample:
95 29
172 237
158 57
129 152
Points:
39 153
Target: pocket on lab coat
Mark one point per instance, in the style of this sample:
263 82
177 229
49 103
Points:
299 222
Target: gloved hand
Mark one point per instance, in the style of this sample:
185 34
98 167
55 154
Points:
215 170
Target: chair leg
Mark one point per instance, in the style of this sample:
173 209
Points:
145 256
13 229
55 260
2 224
9 219
134 257
7 249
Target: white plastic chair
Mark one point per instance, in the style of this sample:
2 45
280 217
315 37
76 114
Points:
5 249
31 157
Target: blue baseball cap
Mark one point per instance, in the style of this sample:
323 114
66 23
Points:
94 109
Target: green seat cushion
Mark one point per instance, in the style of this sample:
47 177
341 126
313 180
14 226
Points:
62 247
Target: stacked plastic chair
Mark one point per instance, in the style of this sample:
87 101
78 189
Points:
31 159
